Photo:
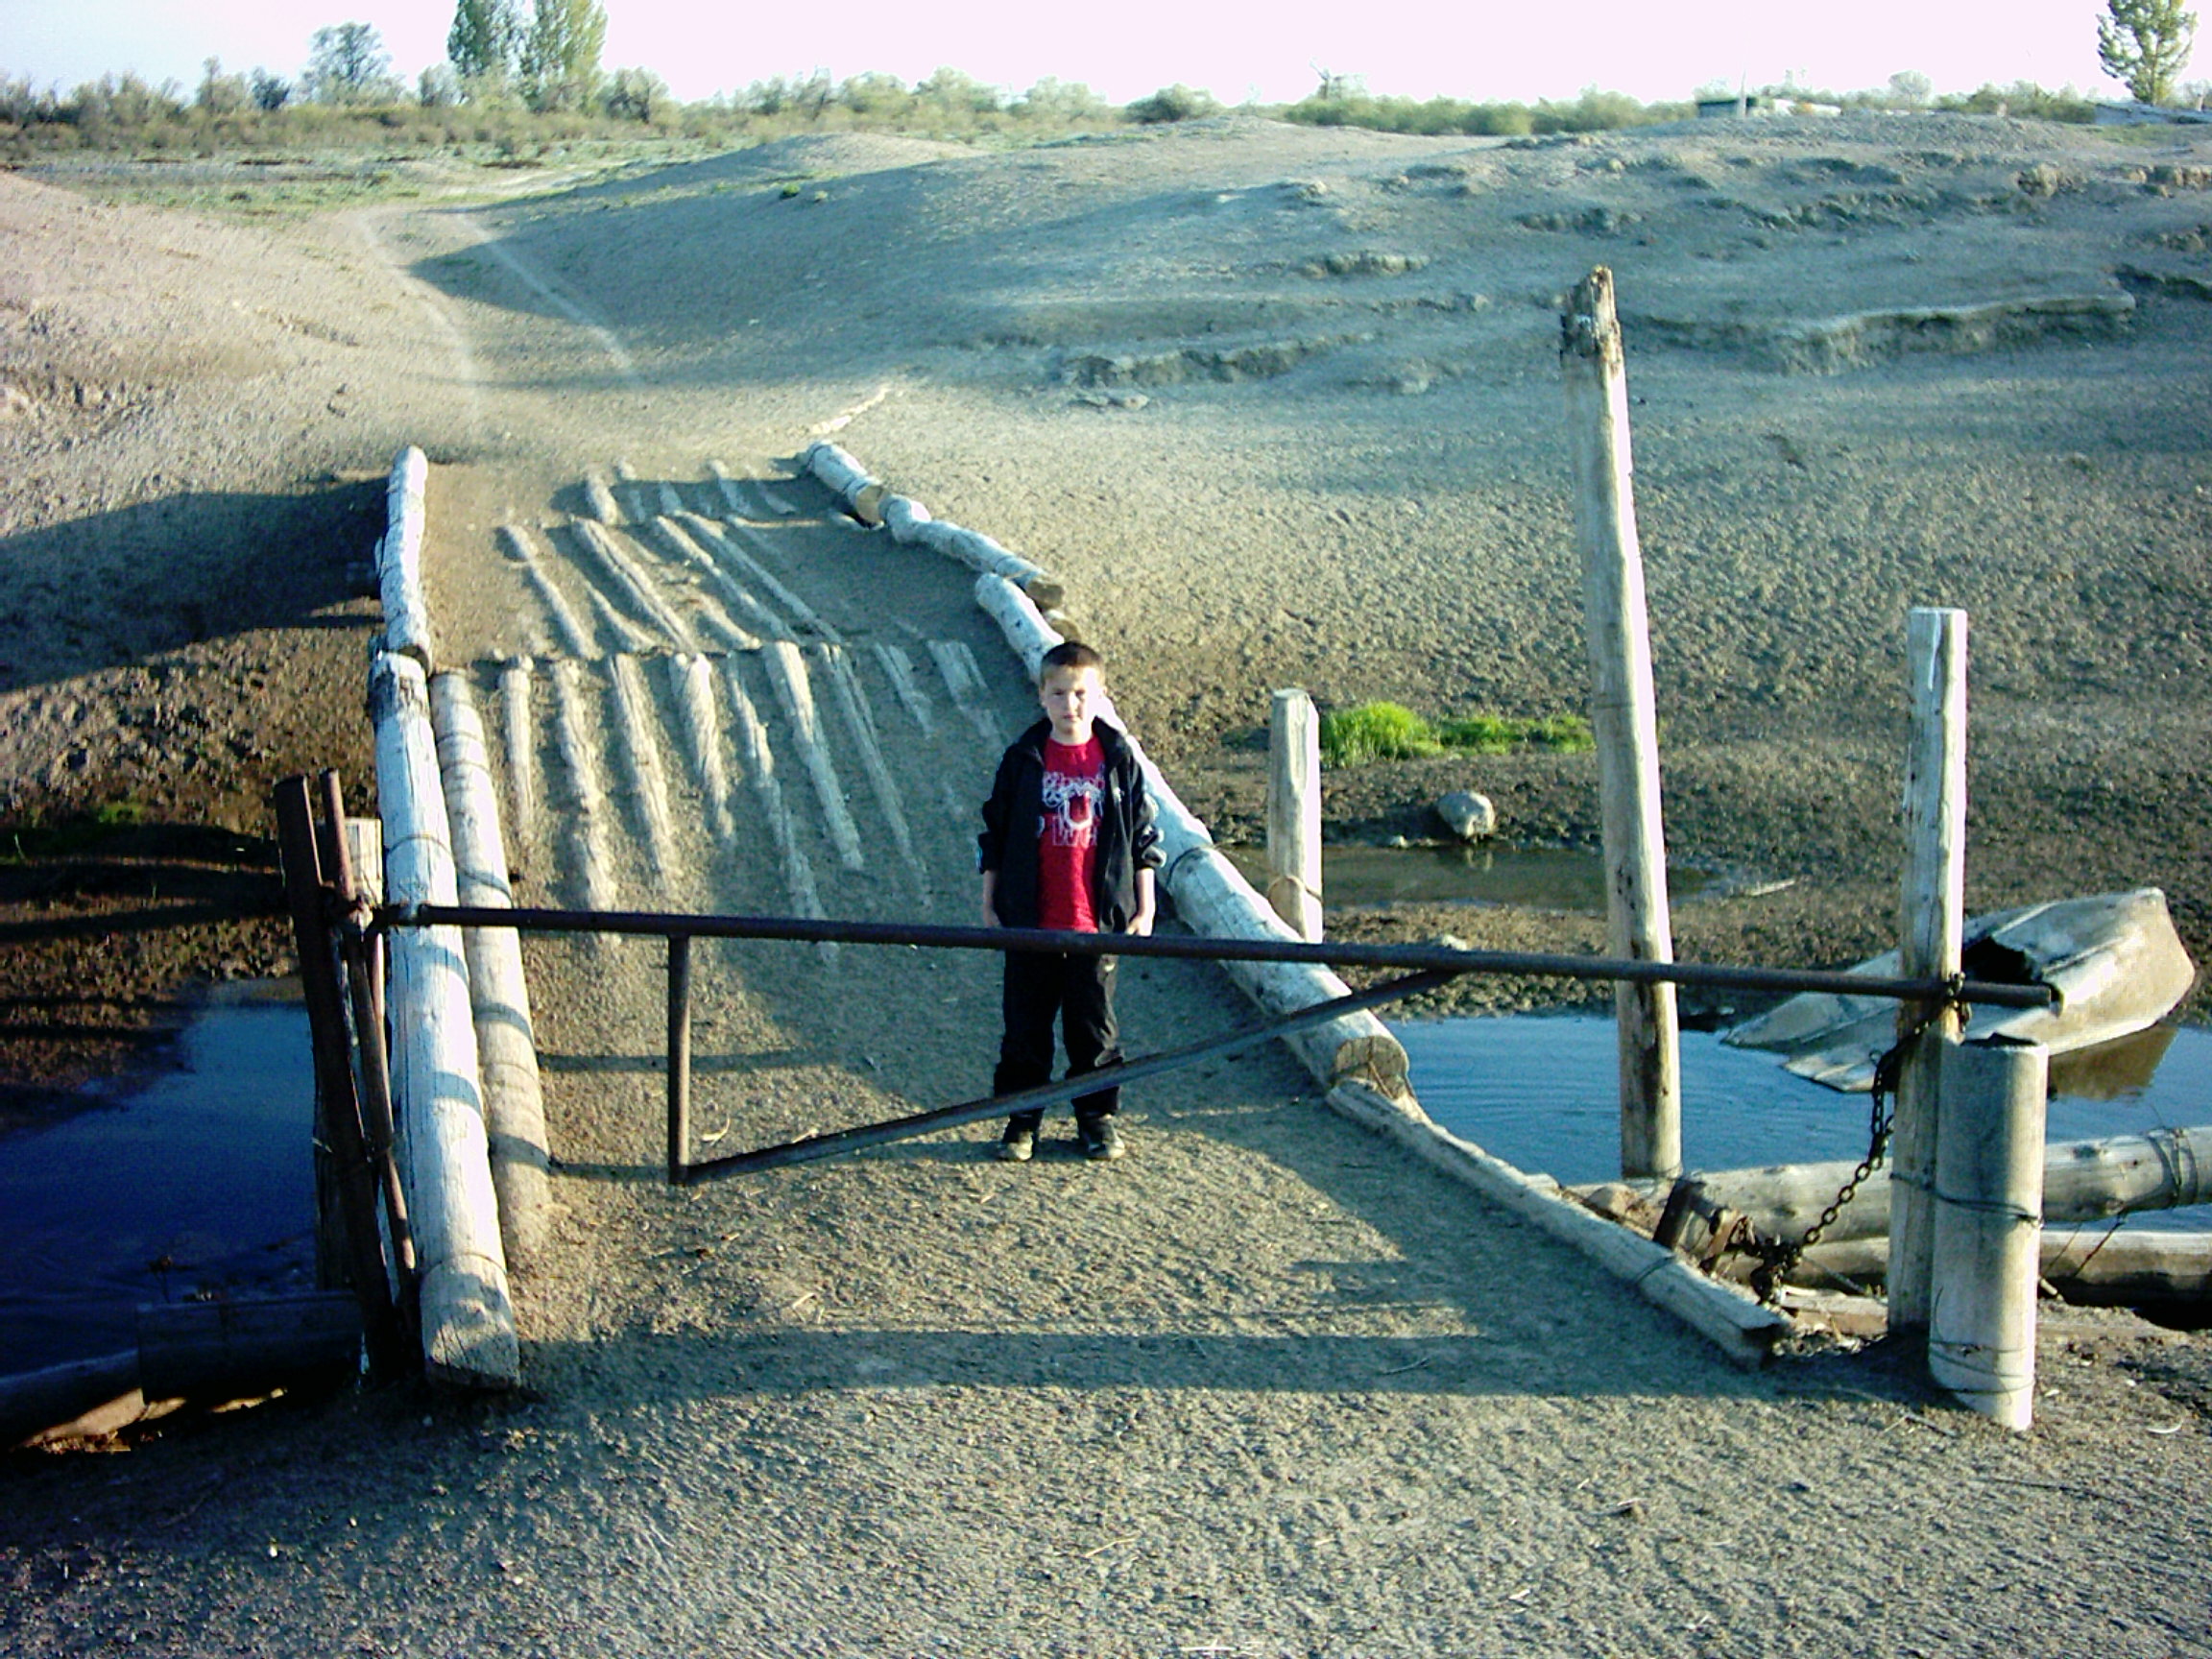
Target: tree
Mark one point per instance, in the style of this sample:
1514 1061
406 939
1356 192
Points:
348 65
561 53
634 95
2145 44
220 94
270 92
486 40
1912 89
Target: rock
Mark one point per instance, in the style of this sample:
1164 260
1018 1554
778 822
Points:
1467 815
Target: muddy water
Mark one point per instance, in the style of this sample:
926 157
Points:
1542 1093
192 1182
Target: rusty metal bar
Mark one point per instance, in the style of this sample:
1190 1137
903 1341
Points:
837 1141
1441 958
679 1057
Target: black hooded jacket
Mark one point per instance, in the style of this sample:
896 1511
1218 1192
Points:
1014 821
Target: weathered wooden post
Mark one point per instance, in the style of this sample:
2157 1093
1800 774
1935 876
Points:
1294 813
1987 1226
1931 925
341 1126
1624 715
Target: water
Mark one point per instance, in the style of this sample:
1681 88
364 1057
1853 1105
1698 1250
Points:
1533 878
199 1178
1542 1092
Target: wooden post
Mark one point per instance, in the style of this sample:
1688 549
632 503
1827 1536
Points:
1987 1226
1294 813
1624 716
1932 923
679 1056
341 1125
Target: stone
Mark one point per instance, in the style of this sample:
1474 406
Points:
1468 815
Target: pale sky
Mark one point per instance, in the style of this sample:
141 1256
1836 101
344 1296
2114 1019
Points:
1479 49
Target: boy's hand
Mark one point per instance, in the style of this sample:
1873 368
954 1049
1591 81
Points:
991 899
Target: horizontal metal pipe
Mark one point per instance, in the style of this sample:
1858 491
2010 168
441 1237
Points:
657 923
838 1141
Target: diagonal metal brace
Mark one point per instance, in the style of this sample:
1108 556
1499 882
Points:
838 1141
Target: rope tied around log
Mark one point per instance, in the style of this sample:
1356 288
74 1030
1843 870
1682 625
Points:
1776 1257
1296 883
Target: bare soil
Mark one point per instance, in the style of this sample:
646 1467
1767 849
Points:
1281 407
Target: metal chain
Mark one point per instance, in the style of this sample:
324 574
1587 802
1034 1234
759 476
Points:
1776 1259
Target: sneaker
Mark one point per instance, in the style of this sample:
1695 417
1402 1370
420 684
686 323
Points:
1101 1141
1019 1146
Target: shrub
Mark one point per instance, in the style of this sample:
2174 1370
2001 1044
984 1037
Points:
1391 731
1176 103
1375 732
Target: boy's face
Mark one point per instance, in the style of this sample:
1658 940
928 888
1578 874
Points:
1071 699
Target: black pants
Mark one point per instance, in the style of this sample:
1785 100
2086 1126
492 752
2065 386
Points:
1077 989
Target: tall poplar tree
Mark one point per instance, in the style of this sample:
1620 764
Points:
2145 44
486 40
560 52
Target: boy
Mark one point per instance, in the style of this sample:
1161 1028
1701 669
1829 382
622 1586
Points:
1069 843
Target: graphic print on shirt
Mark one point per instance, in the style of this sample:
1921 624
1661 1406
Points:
1071 802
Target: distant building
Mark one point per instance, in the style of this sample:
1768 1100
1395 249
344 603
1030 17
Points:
1762 104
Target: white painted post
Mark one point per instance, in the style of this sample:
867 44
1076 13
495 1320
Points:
1624 716
1932 925
1989 1226
1294 813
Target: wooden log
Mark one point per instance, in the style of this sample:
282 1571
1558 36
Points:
227 1350
1213 898
33 1403
904 517
518 729
724 539
795 691
759 761
1988 1192
587 800
986 558
1294 813
465 1312
2083 1181
692 682
636 725
726 486
600 500
1724 1314
860 728
963 678
498 994
1932 925
899 668
569 635
636 587
1624 716
399 560
2091 1265
673 536
840 474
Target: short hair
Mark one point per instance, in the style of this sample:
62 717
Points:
1070 654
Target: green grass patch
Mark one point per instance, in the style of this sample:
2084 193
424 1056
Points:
1371 732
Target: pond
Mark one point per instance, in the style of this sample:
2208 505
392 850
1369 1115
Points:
1542 1092
198 1179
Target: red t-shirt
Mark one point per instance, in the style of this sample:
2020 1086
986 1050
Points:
1067 847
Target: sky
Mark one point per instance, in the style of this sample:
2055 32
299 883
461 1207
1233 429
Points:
1270 51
